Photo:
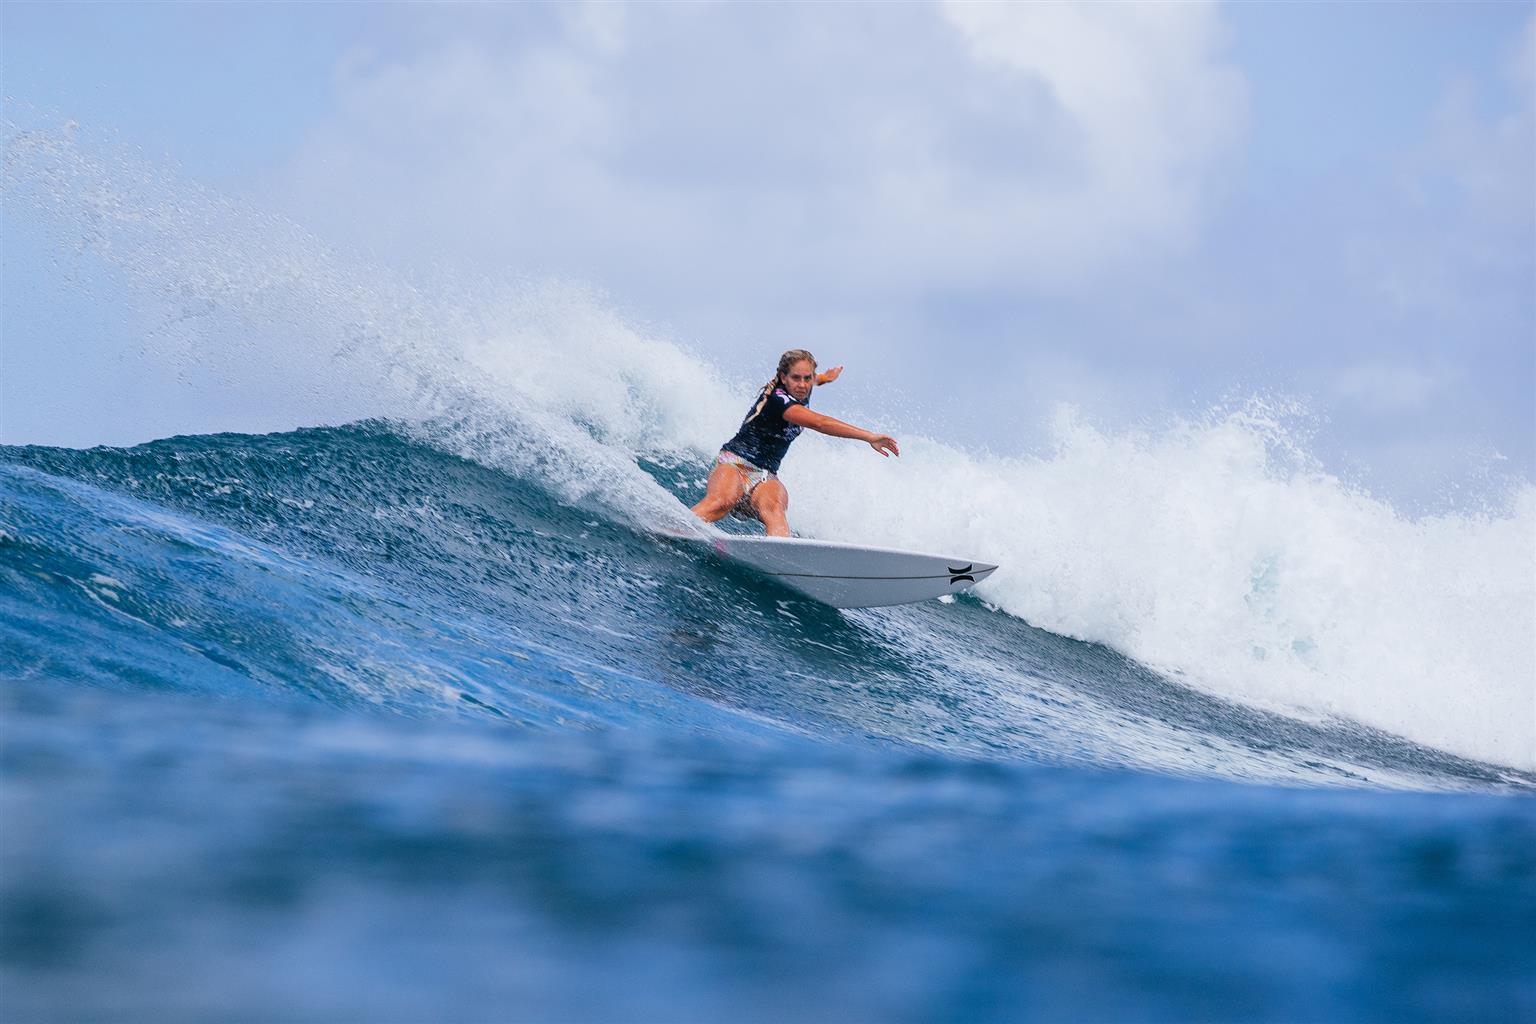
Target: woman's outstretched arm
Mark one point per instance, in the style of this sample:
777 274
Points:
800 416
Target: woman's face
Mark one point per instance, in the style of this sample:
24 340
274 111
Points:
799 379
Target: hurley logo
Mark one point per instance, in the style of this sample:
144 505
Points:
962 573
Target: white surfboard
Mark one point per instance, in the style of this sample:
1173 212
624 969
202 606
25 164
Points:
850 575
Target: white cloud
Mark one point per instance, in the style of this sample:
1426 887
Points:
1385 388
1152 105
600 22
1492 158
753 151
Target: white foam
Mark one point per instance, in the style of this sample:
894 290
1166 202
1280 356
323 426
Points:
1216 552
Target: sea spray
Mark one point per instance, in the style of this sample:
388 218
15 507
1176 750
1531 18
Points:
469 365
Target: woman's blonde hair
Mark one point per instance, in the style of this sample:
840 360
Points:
790 358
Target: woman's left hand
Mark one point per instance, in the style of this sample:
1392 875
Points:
830 376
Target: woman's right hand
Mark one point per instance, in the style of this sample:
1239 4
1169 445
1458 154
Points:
884 444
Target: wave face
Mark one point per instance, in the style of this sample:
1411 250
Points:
357 565
424 698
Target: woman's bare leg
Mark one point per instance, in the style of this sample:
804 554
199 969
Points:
725 488
770 500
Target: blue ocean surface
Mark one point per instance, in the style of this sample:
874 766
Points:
336 725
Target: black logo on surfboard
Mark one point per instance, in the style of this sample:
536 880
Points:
961 574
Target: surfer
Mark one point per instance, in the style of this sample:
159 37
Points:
745 478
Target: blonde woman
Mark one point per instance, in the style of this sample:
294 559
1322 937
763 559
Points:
745 476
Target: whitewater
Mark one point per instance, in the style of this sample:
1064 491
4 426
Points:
412 639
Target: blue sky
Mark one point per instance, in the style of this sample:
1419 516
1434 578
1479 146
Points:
1137 209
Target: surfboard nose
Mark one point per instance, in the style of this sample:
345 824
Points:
977 569
968 574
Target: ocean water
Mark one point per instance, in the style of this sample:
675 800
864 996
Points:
333 724
414 714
